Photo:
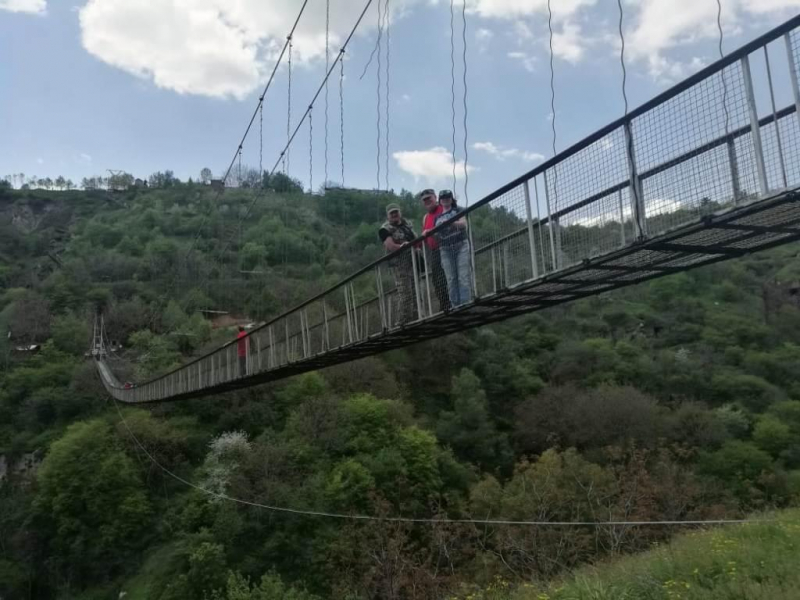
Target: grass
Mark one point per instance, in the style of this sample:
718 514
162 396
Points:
742 562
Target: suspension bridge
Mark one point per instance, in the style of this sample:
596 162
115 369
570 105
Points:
707 171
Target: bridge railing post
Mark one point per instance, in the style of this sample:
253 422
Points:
271 356
428 274
259 364
247 356
734 167
326 332
755 128
354 312
506 269
349 316
494 270
531 237
288 341
775 121
637 191
621 218
474 277
553 255
310 351
381 299
415 280
559 247
542 253
787 38
303 333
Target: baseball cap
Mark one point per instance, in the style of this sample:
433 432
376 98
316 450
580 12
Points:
392 207
445 194
425 193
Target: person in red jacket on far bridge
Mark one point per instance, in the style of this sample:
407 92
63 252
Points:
242 350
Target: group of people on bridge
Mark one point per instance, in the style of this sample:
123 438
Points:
446 260
448 253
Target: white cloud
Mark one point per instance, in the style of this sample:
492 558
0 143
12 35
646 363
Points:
660 25
512 9
522 31
34 7
568 40
667 71
501 153
768 6
528 61
84 158
39 161
484 35
569 43
211 47
486 147
433 165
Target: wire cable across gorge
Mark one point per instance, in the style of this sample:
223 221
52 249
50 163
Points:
421 520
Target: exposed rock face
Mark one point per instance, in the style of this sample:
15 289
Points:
26 219
23 471
27 465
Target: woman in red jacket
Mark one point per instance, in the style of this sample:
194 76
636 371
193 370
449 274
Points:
242 351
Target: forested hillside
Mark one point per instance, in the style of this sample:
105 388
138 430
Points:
675 399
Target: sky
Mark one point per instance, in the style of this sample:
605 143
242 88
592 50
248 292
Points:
145 86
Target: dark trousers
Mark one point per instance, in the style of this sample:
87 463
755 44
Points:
242 366
439 280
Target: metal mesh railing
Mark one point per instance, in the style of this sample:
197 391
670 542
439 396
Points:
700 148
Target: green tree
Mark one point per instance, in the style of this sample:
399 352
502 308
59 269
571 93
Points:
740 465
751 391
156 353
71 334
173 316
771 435
204 571
469 429
271 587
90 502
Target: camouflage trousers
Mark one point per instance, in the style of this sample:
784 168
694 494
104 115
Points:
406 299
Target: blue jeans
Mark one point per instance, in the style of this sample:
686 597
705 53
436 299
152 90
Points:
458 272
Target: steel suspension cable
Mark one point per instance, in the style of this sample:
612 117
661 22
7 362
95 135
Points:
722 72
206 216
622 58
239 176
339 59
453 88
261 142
552 101
311 151
387 18
268 84
341 114
466 130
378 120
286 165
327 66
552 75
